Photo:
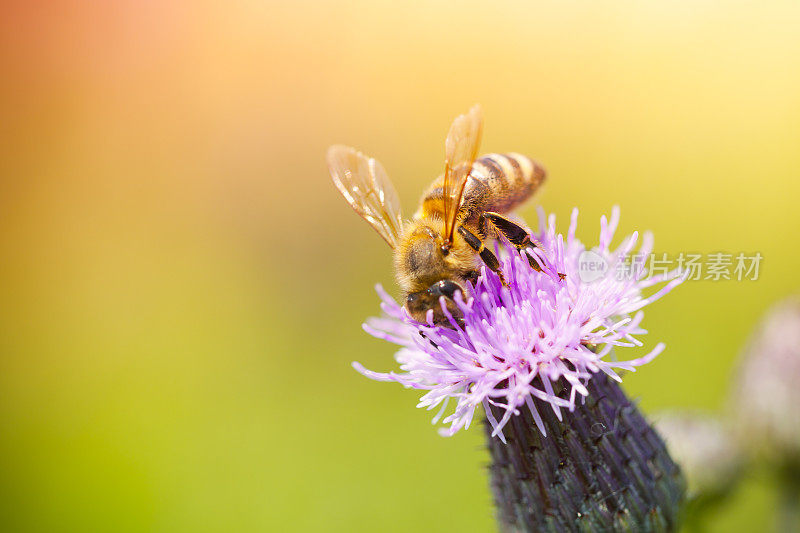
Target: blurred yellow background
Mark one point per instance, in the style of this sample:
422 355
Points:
183 288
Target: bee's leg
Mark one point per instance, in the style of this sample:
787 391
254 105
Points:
512 231
515 234
472 277
486 254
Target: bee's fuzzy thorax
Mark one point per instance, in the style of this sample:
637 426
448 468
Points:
419 261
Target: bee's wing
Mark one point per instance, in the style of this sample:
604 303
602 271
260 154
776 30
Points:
461 149
366 187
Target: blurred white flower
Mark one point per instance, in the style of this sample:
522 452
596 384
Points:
706 450
766 392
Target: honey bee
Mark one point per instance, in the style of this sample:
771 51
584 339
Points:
444 244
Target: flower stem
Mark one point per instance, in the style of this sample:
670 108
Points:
601 468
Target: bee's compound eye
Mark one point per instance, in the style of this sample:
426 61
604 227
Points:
445 250
444 288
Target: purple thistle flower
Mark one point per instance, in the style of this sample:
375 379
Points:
559 328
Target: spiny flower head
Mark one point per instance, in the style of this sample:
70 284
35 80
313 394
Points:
546 323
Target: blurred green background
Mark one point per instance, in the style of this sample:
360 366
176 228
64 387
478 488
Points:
183 288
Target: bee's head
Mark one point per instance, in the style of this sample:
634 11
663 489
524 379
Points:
418 303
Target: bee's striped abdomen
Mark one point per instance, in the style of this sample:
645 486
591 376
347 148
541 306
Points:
501 182
498 182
